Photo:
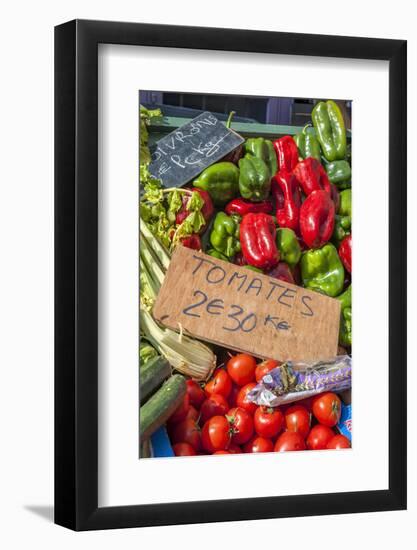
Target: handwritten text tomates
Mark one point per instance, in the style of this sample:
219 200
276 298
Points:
225 304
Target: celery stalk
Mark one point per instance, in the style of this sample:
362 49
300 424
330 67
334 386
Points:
185 354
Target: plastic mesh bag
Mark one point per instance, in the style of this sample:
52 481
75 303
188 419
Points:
293 381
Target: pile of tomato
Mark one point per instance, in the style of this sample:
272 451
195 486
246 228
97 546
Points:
219 419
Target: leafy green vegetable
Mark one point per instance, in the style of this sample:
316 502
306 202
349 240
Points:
153 191
174 201
195 202
194 221
145 116
151 185
158 206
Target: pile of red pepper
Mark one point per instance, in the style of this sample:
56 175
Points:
290 215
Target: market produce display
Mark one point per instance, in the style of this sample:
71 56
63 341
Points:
282 207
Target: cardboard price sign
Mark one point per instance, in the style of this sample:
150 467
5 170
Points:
246 311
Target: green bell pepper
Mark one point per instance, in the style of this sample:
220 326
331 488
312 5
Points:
224 236
330 128
288 245
349 153
345 204
339 171
345 331
322 270
343 218
216 254
344 185
342 228
308 144
345 298
221 181
253 268
254 178
264 150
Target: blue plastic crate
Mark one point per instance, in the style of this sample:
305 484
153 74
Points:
160 444
345 423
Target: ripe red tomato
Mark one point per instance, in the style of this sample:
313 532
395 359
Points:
307 402
289 441
241 425
216 434
192 413
215 405
241 369
233 395
339 442
265 367
297 419
195 393
187 431
268 422
181 411
221 453
327 408
234 449
183 449
259 445
242 401
219 383
318 437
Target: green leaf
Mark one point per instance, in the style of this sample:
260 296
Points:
195 202
174 201
193 223
147 114
144 155
145 211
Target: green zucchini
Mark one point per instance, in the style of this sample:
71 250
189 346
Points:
146 352
145 449
151 376
156 411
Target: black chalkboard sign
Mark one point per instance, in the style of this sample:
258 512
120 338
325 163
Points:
183 154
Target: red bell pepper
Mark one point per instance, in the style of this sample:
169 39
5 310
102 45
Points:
317 215
258 240
192 241
239 259
282 272
287 153
207 209
311 176
241 207
345 252
286 194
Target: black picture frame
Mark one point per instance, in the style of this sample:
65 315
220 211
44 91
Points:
76 271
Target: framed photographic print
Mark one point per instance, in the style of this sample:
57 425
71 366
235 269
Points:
224 301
